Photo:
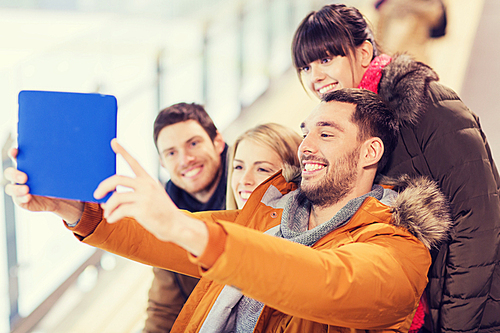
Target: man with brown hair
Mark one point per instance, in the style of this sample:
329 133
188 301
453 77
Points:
193 152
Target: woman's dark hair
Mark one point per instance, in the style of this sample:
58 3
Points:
334 30
372 116
182 112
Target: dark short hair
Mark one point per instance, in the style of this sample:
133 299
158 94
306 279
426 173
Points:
334 30
372 116
182 112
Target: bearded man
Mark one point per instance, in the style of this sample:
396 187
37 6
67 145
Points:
337 254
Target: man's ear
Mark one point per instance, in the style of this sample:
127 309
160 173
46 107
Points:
219 143
365 53
372 151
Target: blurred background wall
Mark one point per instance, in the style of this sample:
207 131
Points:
232 56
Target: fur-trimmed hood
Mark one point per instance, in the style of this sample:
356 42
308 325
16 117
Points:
404 84
421 208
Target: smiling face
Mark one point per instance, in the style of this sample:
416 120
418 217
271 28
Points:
333 73
332 48
330 73
191 158
253 163
329 153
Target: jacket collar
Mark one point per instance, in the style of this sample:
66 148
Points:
404 86
419 207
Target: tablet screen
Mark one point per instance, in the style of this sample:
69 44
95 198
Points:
64 142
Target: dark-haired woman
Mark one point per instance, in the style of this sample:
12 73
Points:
441 138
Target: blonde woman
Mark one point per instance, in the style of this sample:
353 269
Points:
256 155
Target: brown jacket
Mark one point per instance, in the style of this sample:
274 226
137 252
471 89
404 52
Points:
167 295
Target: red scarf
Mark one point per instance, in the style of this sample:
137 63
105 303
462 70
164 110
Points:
372 76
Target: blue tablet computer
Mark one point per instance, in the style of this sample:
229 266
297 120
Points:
64 142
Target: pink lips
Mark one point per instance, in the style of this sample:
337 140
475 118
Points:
244 195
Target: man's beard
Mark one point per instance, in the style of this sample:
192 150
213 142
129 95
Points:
337 183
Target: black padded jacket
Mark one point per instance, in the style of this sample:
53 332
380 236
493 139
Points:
440 137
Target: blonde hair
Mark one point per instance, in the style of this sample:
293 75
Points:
281 139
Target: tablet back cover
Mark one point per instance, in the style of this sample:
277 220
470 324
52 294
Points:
64 142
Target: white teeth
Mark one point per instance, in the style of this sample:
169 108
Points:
313 166
327 88
192 172
245 195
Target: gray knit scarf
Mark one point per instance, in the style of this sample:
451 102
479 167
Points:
233 312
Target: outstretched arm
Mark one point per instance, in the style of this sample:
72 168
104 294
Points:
147 203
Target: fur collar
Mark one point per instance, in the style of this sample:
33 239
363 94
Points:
421 208
404 86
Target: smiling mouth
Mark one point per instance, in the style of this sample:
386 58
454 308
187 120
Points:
327 88
245 195
313 166
192 172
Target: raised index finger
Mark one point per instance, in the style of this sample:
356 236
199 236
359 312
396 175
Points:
132 162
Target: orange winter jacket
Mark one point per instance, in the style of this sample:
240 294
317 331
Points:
366 275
